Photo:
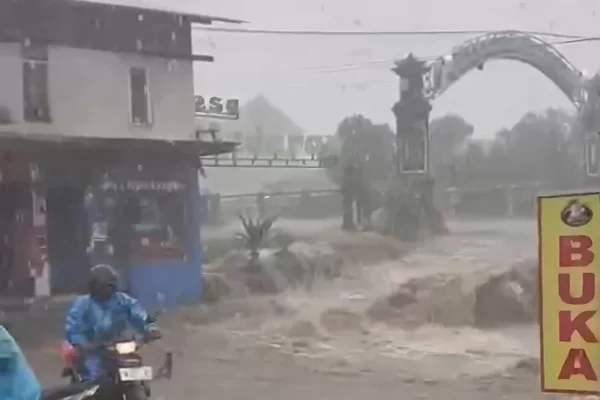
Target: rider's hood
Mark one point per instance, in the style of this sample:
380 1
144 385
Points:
17 380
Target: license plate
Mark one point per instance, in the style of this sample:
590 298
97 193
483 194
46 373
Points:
135 374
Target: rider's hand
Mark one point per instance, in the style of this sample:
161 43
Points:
85 346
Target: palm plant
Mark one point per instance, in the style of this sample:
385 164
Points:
255 235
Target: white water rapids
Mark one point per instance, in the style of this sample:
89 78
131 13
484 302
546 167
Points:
329 323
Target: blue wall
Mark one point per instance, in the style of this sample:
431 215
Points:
166 284
171 283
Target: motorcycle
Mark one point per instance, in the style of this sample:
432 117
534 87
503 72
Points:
72 391
126 377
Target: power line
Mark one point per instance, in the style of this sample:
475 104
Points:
372 65
387 62
349 66
374 33
390 61
580 40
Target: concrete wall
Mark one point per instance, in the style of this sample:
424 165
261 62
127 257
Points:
90 96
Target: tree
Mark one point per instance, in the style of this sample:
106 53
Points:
365 144
538 148
475 162
449 137
448 134
543 148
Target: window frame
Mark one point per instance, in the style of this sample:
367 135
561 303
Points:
148 95
33 56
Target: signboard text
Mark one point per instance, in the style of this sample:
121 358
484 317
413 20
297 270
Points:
216 107
569 233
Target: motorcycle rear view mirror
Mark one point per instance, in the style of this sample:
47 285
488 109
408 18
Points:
165 371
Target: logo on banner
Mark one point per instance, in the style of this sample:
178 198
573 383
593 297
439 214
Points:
576 214
569 236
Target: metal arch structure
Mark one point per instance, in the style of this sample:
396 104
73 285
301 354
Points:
506 45
421 82
582 91
437 76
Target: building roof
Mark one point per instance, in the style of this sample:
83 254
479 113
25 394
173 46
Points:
260 114
193 18
41 142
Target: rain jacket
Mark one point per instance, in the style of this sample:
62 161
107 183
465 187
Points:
17 380
91 322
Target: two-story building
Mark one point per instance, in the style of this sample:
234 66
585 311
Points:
98 153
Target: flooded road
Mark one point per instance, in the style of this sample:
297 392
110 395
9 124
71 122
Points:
334 316
326 345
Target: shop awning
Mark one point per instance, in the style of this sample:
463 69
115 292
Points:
45 142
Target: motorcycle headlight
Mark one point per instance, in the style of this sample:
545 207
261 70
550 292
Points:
126 347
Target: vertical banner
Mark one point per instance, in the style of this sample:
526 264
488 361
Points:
592 154
39 262
569 263
415 148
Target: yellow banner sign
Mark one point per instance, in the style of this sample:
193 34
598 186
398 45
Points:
569 262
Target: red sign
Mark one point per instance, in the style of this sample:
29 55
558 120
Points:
576 252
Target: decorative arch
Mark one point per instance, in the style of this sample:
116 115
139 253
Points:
506 45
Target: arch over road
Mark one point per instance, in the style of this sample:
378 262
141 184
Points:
507 45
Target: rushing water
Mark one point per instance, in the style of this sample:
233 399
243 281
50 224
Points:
330 321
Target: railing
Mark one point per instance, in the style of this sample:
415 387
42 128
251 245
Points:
501 201
506 201
295 204
293 193
262 162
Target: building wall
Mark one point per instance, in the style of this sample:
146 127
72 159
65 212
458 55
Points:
90 94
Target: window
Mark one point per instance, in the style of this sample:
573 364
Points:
140 96
149 220
161 215
36 102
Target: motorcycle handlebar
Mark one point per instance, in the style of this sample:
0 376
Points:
140 341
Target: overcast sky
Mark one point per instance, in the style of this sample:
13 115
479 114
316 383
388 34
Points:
319 80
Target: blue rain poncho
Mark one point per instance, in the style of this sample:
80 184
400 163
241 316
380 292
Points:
17 380
90 322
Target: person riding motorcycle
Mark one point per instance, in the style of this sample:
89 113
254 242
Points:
103 315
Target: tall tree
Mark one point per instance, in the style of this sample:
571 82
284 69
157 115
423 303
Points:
541 148
449 138
365 144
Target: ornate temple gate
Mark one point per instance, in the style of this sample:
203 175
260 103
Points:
422 82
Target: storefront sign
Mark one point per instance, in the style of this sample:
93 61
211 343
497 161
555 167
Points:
569 239
217 107
141 185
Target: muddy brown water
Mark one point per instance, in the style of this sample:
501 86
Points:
323 345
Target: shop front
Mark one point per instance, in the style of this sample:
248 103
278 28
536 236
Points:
134 207
143 219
